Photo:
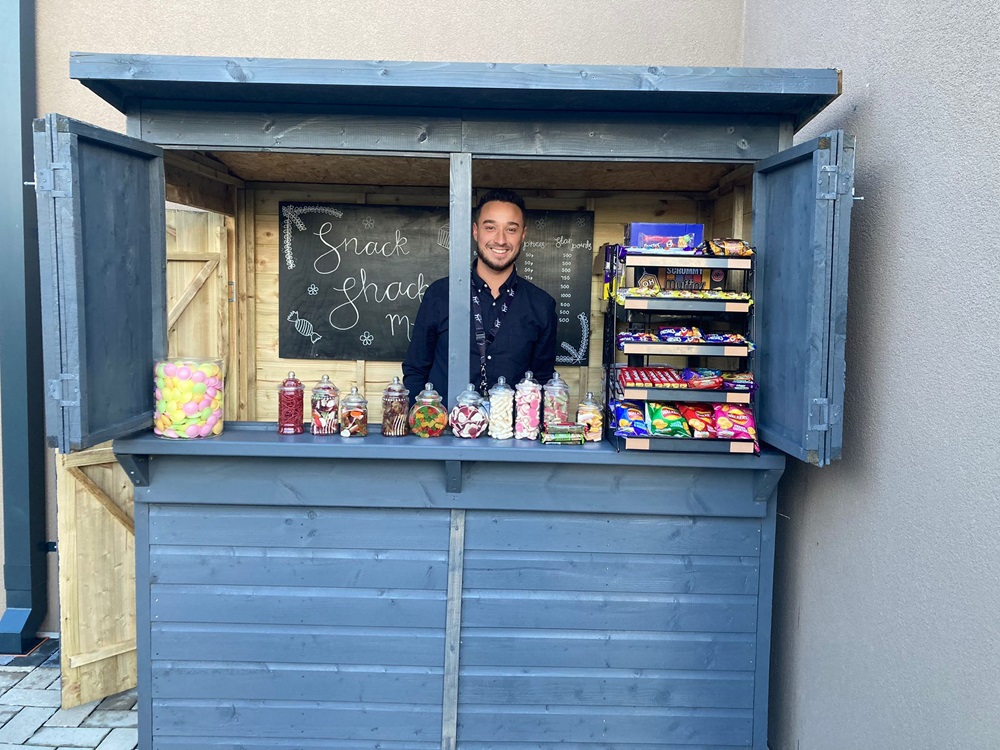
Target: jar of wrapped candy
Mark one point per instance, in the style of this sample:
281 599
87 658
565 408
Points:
527 408
395 400
555 409
290 396
325 408
591 416
187 395
428 417
501 410
469 418
354 414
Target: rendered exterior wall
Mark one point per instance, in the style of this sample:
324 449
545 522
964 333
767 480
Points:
887 603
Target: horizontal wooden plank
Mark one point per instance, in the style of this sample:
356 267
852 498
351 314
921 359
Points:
649 612
403 569
539 571
265 681
605 687
597 745
161 742
298 606
309 720
570 532
609 725
314 644
346 528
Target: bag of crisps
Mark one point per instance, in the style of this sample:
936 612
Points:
629 420
700 418
734 422
665 421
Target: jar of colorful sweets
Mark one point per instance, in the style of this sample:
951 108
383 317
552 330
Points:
428 417
354 414
290 396
395 400
325 408
469 418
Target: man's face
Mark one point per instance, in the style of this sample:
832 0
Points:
499 234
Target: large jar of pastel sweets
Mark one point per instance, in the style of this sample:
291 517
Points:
469 418
428 417
290 395
555 408
325 408
354 414
188 394
527 408
501 410
395 403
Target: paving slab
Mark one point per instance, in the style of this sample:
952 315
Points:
24 724
119 702
39 678
71 717
120 739
5 746
68 737
111 719
41 698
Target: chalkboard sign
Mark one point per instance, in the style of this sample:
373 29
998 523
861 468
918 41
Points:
351 277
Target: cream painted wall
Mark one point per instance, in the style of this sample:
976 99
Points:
887 618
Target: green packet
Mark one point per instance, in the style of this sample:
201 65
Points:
665 421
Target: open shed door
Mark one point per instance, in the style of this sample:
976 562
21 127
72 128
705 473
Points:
103 275
801 225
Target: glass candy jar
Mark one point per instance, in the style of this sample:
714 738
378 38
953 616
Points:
591 416
555 409
395 400
428 417
188 397
527 408
354 414
501 410
469 418
290 396
325 408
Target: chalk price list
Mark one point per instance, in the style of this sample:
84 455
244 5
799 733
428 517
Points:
534 265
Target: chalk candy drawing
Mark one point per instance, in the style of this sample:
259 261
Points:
291 216
303 326
576 356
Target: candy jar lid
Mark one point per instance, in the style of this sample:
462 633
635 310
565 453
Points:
556 383
470 397
325 387
528 381
590 400
428 395
395 389
354 399
291 383
500 387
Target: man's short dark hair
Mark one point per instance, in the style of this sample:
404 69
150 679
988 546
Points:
502 195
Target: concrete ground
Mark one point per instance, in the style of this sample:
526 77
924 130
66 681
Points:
30 716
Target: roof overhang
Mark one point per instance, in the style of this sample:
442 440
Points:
219 82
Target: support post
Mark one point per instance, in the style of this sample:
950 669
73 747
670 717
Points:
459 275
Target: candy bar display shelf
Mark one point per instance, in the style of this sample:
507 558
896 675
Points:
648 314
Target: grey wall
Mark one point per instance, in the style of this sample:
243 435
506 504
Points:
887 622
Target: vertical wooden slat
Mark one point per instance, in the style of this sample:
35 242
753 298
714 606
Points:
453 628
459 274
739 207
246 306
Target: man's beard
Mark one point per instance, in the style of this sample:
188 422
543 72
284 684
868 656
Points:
511 259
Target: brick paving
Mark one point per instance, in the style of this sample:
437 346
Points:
30 716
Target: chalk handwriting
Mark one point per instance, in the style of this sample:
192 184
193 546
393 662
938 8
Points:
329 262
345 316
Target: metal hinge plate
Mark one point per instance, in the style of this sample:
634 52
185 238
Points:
834 186
46 179
819 415
65 390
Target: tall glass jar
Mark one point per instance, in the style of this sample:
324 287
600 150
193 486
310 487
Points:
555 407
527 408
354 414
290 396
188 397
428 417
325 408
395 400
469 418
590 414
501 410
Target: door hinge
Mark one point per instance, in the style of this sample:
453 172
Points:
46 181
831 184
232 291
819 415
65 390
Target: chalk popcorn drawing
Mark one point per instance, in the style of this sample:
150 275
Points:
291 216
575 356
366 338
303 326
444 236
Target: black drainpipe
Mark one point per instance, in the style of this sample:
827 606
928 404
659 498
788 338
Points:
21 379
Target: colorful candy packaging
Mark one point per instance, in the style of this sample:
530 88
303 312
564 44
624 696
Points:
700 418
734 422
702 378
666 421
738 381
629 419
681 335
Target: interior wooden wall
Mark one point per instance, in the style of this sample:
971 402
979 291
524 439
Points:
611 213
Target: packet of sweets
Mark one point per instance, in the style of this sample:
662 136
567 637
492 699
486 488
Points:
666 421
700 418
734 422
702 379
629 421
738 381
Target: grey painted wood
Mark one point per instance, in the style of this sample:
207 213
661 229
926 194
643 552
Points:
459 274
765 599
798 94
610 649
292 743
297 644
143 636
453 630
102 258
793 230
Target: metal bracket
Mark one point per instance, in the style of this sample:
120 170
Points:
832 173
45 181
232 291
819 415
65 390
453 476
137 468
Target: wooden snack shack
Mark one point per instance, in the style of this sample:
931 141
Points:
311 591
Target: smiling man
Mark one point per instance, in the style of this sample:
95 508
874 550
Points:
513 321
